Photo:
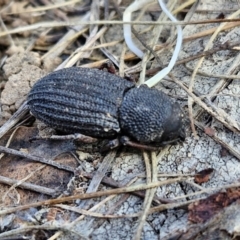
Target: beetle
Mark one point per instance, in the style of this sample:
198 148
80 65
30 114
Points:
103 105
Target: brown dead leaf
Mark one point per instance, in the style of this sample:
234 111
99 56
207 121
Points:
18 168
203 176
203 210
224 225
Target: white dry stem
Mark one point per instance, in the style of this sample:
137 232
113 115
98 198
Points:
136 5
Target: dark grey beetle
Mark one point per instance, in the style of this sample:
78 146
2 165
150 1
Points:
102 105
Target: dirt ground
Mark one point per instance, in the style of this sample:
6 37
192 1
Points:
52 189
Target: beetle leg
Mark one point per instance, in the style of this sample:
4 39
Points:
170 142
127 142
130 78
77 137
109 66
111 145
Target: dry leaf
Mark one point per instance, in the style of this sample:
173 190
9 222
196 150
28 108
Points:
201 211
203 176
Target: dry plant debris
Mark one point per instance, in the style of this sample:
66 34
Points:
50 192
203 176
203 210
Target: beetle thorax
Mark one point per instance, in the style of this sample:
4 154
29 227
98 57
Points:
149 115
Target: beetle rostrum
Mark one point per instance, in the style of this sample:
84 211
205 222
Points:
100 104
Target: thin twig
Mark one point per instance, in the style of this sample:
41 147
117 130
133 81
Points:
233 126
145 207
93 195
16 117
36 159
112 183
74 23
25 229
99 175
232 150
28 186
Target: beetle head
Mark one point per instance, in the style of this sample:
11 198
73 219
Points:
174 125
